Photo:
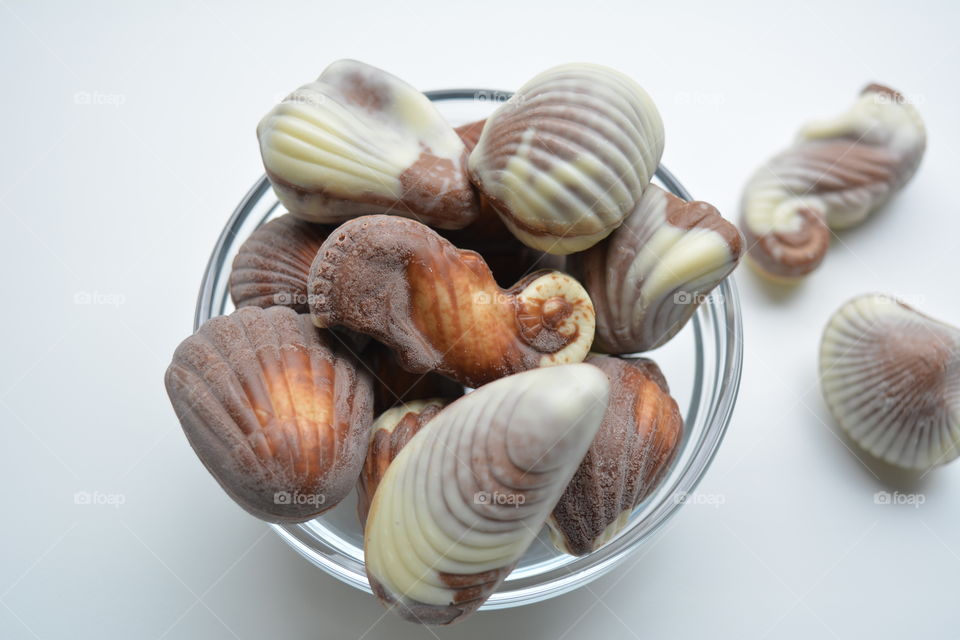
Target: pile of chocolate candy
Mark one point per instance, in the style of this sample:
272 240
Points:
524 259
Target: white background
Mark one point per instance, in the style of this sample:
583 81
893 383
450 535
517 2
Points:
123 198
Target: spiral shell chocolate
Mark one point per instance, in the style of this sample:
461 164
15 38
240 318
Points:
439 308
648 278
469 493
272 265
567 158
391 431
359 140
631 452
837 172
891 377
470 133
275 411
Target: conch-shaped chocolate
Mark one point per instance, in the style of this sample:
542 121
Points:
568 156
891 377
439 308
648 278
359 140
837 172
390 433
468 494
274 410
631 452
272 265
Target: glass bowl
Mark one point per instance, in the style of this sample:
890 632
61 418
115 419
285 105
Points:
702 364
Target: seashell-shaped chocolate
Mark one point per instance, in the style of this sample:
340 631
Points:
630 454
891 377
439 308
469 493
272 265
837 172
391 431
359 140
648 278
567 157
470 133
276 412
393 385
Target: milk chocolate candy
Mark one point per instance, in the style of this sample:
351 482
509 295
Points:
837 172
359 140
439 308
568 156
277 413
467 495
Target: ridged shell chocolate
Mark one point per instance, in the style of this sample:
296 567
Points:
359 140
276 412
463 500
648 278
837 172
568 156
391 431
440 308
630 454
891 377
272 265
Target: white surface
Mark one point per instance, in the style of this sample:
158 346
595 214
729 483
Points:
123 198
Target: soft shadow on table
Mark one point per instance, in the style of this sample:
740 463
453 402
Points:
882 474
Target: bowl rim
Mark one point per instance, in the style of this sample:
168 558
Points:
722 313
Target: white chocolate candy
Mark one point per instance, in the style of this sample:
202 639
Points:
568 156
469 493
647 279
891 378
359 140
838 171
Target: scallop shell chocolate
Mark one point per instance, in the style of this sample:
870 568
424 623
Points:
568 156
469 493
274 410
891 378
630 454
439 308
648 278
391 431
359 140
272 265
837 173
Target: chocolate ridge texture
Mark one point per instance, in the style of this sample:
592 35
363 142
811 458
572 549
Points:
890 376
838 172
466 497
439 308
359 140
637 440
648 278
272 265
276 412
568 156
